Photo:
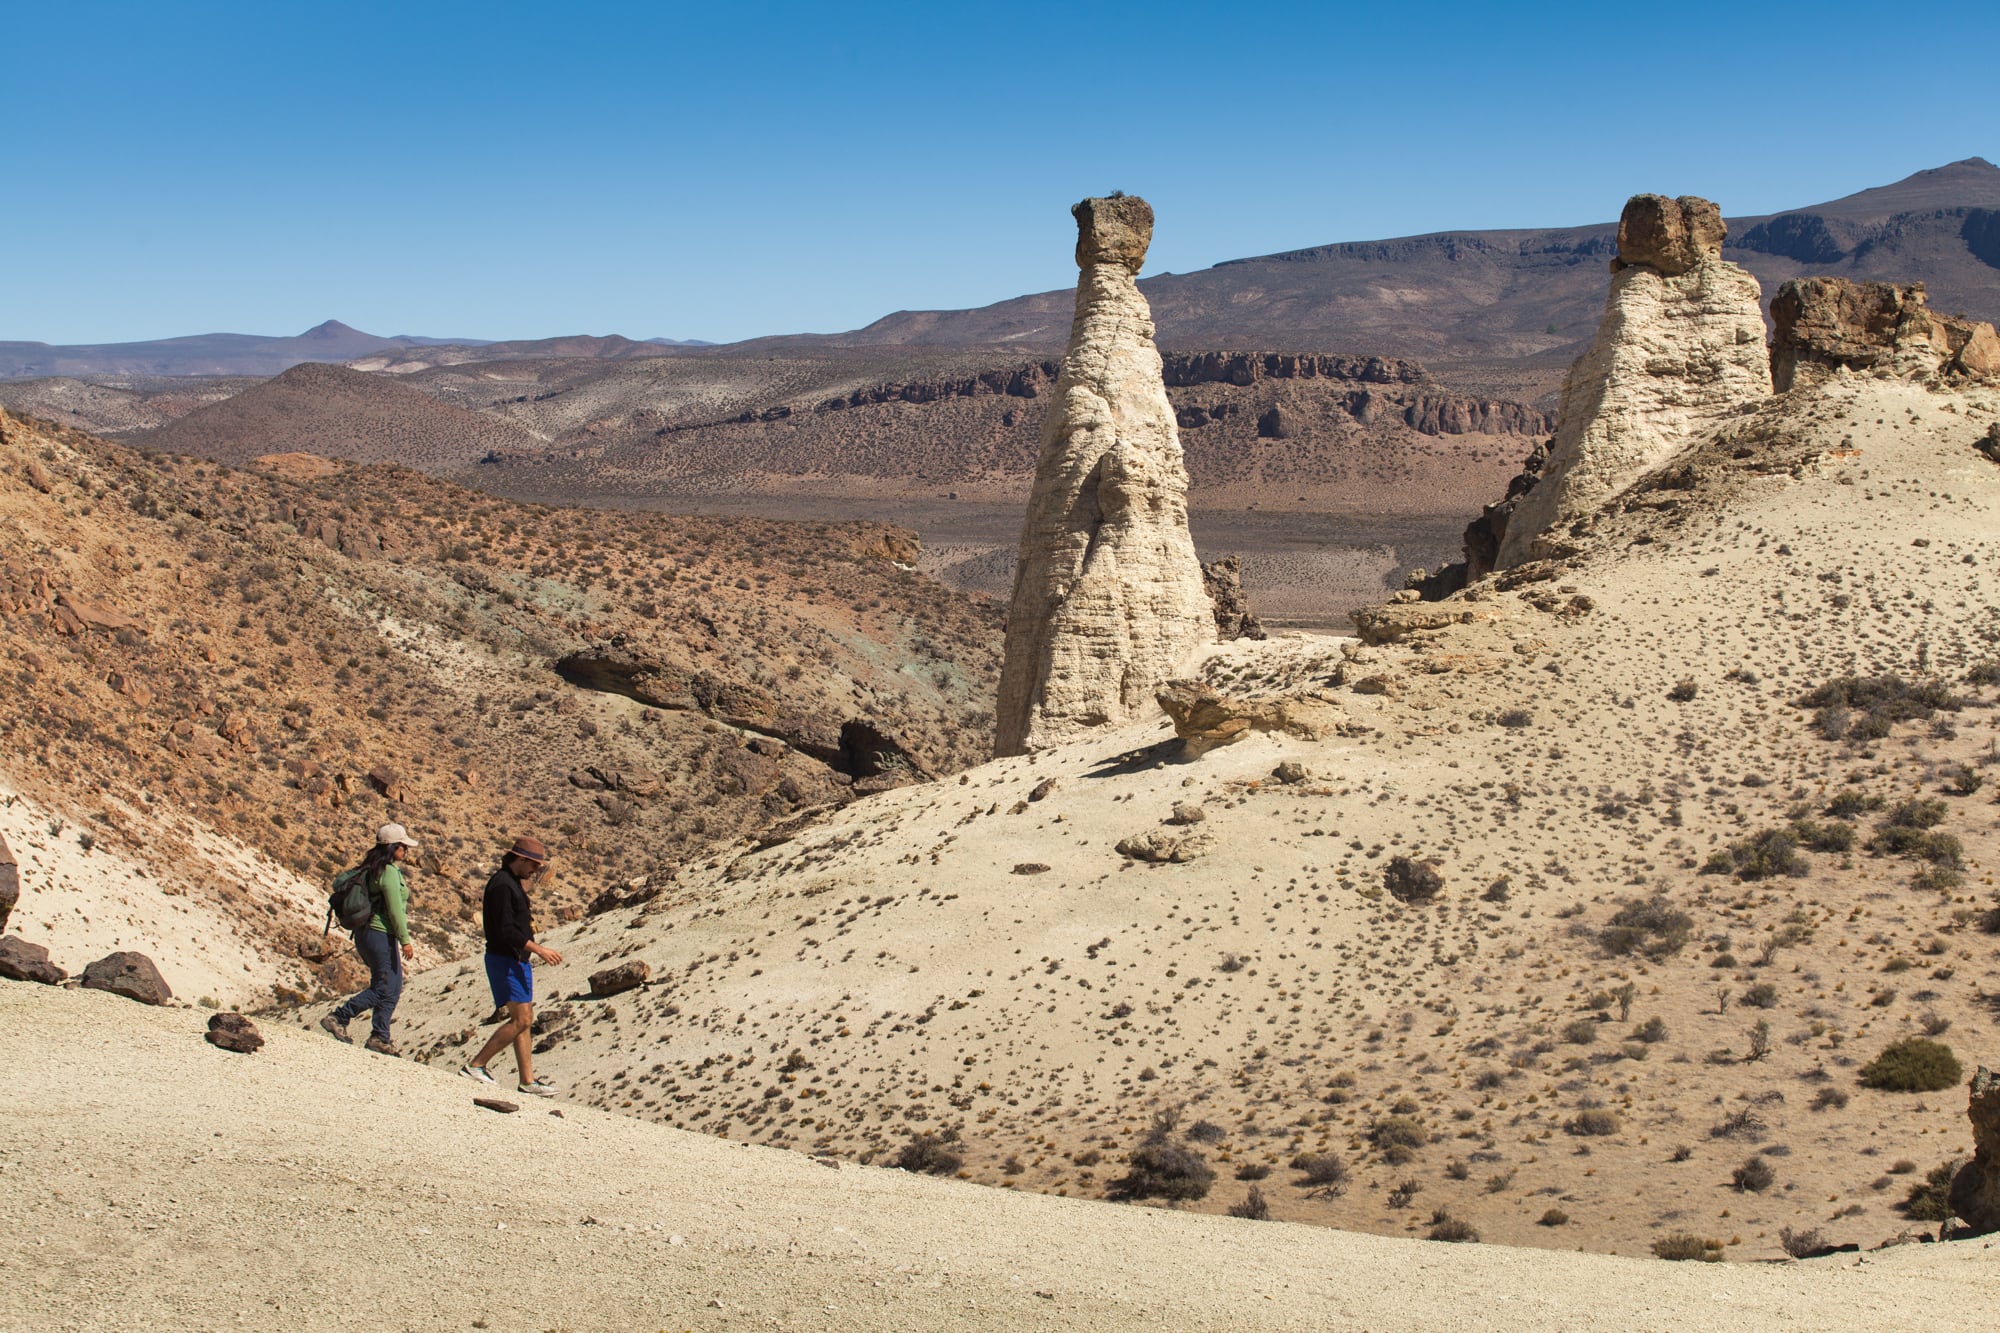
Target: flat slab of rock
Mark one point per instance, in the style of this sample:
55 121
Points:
1159 845
1204 719
495 1104
22 961
234 1032
131 975
617 980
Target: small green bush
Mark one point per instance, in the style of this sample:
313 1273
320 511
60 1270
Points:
1580 1031
1764 855
1851 802
1866 707
1653 927
1914 1064
1322 1171
1652 1031
1930 1199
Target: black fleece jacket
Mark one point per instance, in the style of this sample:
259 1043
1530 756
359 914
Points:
504 913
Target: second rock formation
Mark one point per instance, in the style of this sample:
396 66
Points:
1681 346
1108 596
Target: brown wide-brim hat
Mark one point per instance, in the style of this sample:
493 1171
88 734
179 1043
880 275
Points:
530 849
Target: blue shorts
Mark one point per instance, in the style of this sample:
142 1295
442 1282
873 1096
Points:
512 980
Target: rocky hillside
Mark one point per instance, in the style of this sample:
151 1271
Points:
283 656
1587 907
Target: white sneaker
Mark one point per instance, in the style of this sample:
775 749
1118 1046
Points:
476 1073
541 1087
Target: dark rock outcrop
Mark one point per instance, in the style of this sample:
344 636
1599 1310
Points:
1827 324
1233 617
22 961
1484 535
234 1032
129 974
617 980
1975 1190
10 883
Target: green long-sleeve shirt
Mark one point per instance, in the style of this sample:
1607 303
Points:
393 916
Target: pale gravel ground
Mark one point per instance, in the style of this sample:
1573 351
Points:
150 1181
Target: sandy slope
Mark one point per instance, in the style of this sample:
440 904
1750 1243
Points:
152 1181
905 968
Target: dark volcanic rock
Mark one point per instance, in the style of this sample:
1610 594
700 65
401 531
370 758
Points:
10 884
1671 235
131 975
1485 533
1826 324
234 1032
22 961
617 980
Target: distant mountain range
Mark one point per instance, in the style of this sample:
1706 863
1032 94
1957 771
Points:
1497 312
252 354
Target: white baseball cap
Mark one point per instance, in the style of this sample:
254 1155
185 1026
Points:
389 833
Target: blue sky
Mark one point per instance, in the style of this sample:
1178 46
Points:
508 170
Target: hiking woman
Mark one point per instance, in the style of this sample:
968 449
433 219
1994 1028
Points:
510 945
384 943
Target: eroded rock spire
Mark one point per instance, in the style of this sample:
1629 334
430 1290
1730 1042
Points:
1108 596
1681 346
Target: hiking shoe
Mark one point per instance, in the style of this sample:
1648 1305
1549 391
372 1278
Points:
477 1073
381 1046
336 1029
541 1087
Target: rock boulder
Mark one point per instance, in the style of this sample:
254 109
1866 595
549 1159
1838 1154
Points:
131 975
1204 719
1827 324
1108 596
617 980
10 883
234 1032
22 961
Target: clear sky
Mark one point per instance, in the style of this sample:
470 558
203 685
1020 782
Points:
725 170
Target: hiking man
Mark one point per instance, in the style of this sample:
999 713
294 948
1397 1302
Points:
510 945
384 943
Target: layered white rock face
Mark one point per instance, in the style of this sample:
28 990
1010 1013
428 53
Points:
1677 351
1108 596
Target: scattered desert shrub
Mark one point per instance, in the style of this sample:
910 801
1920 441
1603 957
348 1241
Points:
1832 835
1802 1244
1984 673
1411 881
1252 1171
1594 1122
1852 801
1445 1227
1164 1167
931 1155
1763 855
1516 718
1683 691
1254 1206
1554 1217
1963 780
1763 995
1829 1098
1754 1176
1742 1123
1929 1200
1914 1064
1684 1245
1653 927
1866 707
1652 1031
1580 1031
1398 1131
1207 1131
1323 1172
1164 1170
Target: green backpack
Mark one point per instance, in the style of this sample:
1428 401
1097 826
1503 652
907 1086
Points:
352 902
